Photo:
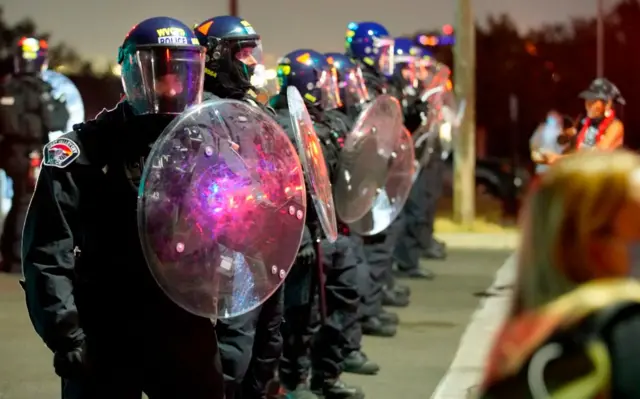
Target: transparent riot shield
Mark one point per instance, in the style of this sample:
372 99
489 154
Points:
313 163
64 89
391 196
364 159
221 208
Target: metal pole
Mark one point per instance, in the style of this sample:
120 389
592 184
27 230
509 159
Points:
233 8
464 154
600 33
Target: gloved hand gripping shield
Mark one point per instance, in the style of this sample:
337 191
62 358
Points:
221 208
313 163
64 90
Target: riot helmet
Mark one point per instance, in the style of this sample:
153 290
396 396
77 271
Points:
352 88
405 74
162 67
310 73
234 59
371 44
32 56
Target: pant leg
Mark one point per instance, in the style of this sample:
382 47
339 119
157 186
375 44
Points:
296 327
433 191
409 246
235 339
92 389
182 361
17 167
340 266
267 348
367 306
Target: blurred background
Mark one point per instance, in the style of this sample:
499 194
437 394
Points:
530 56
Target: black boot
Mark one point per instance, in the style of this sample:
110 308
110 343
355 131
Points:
402 289
302 391
388 317
291 388
377 328
334 389
395 299
435 250
417 273
358 363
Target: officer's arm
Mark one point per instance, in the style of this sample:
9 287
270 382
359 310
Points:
48 259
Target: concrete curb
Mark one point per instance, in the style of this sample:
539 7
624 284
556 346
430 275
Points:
465 372
480 240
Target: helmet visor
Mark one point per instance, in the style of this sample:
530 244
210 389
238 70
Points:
162 80
250 52
408 74
353 87
329 90
384 47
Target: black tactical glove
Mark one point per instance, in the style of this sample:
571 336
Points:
306 255
72 363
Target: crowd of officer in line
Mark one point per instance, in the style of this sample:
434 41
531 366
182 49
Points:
118 337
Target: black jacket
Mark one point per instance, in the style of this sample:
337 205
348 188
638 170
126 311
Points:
28 111
82 258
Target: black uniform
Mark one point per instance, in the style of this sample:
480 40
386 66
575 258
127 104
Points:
27 114
251 344
90 294
379 248
340 273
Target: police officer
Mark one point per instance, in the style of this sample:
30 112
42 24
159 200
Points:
27 114
354 96
419 210
311 74
251 344
90 293
371 47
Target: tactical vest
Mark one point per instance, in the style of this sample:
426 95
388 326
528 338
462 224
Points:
558 352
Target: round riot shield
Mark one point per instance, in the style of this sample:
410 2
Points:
221 209
364 159
64 89
313 163
394 193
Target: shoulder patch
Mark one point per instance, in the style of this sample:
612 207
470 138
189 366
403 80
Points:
60 152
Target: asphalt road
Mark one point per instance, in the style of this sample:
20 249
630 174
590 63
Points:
412 363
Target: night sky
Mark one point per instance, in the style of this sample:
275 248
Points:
96 28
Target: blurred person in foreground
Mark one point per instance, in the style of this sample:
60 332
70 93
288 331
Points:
600 129
90 294
28 112
574 323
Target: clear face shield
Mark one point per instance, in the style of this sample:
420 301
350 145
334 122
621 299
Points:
425 71
408 73
251 57
353 88
384 48
163 80
329 90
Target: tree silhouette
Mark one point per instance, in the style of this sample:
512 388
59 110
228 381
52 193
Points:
60 54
